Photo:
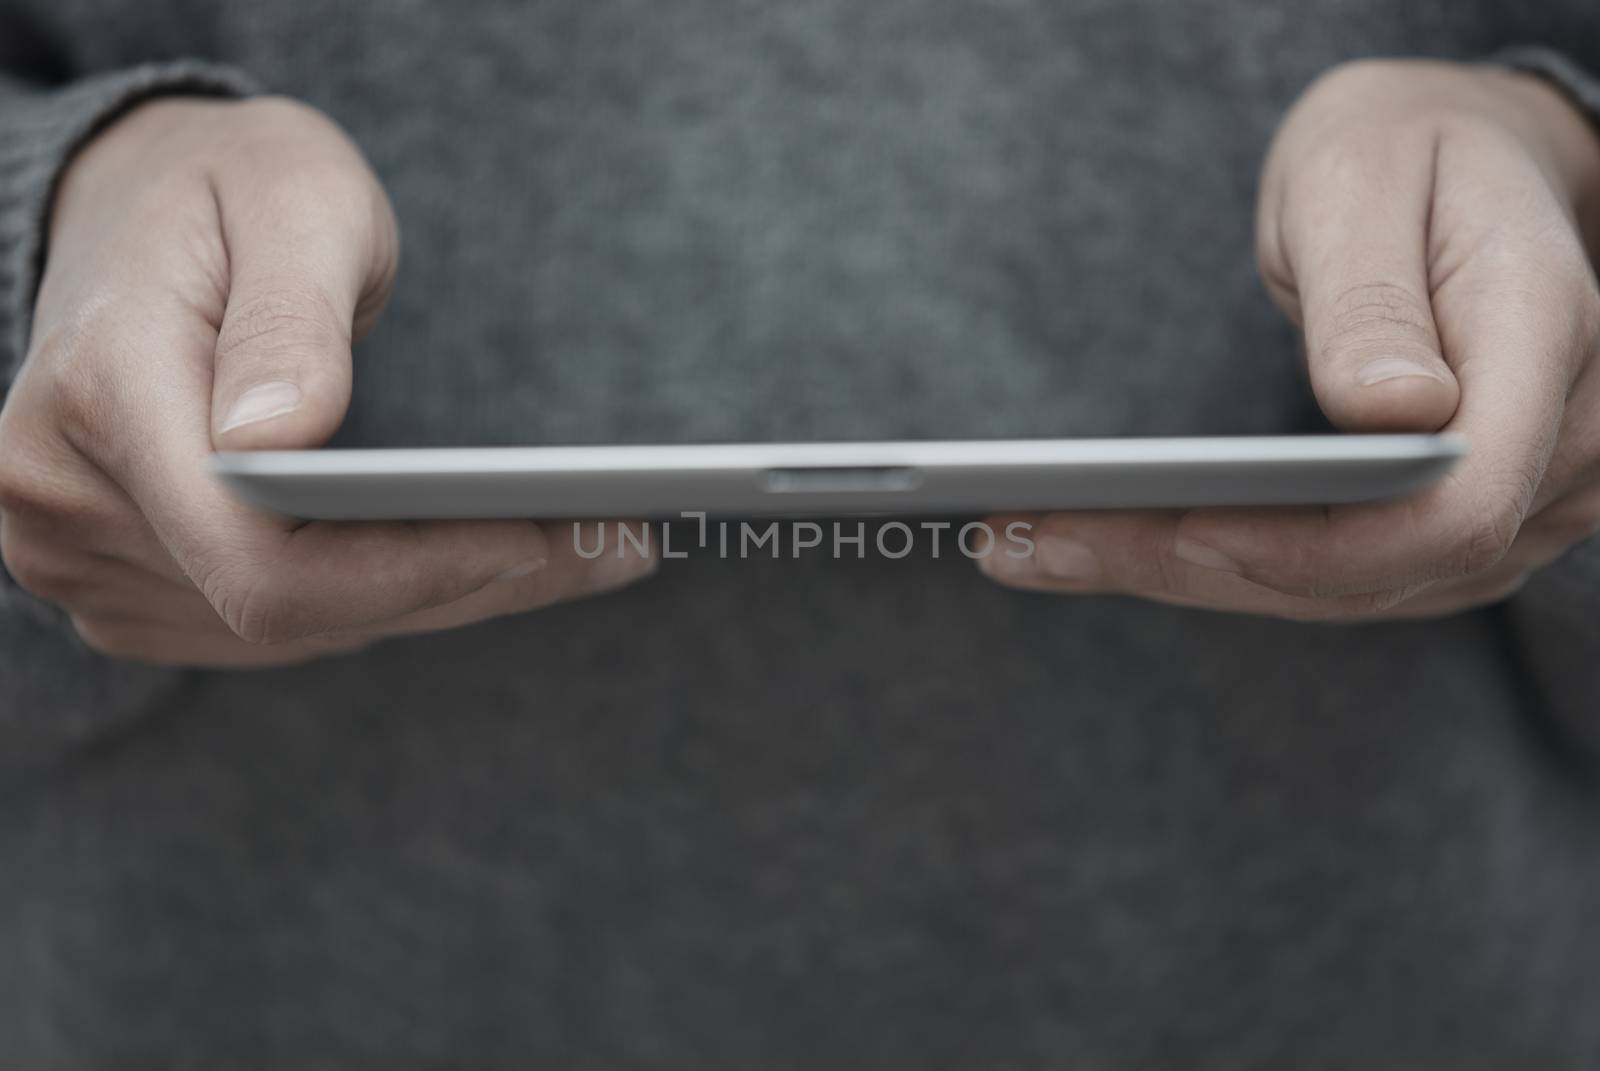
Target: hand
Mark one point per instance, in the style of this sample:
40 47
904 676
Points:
208 265
1424 223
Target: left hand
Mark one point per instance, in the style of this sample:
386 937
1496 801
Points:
1424 223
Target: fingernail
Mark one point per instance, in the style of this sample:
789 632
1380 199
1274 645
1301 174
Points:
1066 559
1387 368
1207 557
263 402
517 572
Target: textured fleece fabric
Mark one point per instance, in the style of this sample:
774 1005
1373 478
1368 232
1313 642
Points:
803 813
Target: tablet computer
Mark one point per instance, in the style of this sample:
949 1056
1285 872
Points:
831 479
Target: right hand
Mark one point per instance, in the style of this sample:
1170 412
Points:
208 265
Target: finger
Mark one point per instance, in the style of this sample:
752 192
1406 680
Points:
310 252
103 586
110 530
1573 476
187 631
1135 553
1458 597
1512 313
1354 235
567 575
1132 553
328 577
114 591
270 579
215 648
1547 535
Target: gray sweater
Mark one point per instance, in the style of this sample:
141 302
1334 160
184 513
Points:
801 813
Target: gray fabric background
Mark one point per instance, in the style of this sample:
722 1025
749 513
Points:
817 813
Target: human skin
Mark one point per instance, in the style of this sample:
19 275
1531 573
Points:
208 266
1423 222
1426 225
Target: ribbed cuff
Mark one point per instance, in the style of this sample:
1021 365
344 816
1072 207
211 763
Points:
39 132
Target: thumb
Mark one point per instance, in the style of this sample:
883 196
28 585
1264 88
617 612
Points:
1357 254
301 279
282 374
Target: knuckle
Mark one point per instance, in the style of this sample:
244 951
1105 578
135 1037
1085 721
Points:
298 158
29 490
42 564
1290 566
1379 88
434 575
1488 538
34 568
333 191
1378 315
322 151
276 107
253 617
77 391
1355 75
1344 160
285 116
280 320
81 397
443 583
177 201
253 604
260 616
1459 120
1292 573
346 187
20 490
